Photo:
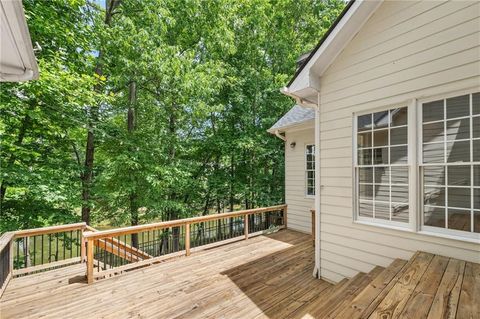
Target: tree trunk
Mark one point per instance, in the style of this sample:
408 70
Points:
87 175
131 126
26 122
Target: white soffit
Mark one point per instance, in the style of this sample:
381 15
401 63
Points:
17 60
306 83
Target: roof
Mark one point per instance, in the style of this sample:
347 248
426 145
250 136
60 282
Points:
17 60
295 116
324 37
305 84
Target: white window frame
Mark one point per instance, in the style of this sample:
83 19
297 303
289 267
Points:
411 193
415 161
431 230
309 170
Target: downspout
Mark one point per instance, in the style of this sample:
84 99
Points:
318 186
316 269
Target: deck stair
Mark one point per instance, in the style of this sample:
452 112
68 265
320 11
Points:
426 286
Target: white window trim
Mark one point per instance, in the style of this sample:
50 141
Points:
431 230
410 226
307 170
415 149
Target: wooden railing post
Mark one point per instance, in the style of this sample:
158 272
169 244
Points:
90 261
187 239
246 225
83 242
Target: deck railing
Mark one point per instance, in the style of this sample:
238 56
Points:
115 251
34 250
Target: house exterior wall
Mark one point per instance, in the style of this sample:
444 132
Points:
299 205
407 50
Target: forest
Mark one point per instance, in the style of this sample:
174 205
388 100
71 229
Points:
151 110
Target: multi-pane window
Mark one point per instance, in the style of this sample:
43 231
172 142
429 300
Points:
310 170
451 163
382 165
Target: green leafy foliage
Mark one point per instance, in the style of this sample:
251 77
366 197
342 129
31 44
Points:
207 76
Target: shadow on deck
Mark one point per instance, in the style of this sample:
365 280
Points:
268 275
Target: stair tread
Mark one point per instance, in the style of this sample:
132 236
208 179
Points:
354 291
356 307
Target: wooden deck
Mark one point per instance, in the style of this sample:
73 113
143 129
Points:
263 277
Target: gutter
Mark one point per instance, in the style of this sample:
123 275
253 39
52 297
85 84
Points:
280 136
298 100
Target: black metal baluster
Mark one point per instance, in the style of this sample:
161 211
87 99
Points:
49 247
56 248
34 250
41 263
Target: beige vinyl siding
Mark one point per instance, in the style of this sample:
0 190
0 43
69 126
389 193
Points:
299 205
406 50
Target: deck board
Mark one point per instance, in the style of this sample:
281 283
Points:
268 276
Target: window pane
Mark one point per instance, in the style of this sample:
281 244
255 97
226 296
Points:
434 216
476 150
400 194
459 175
311 175
434 196
366 209
380 155
476 198
380 119
476 127
310 149
458 106
364 122
459 197
434 175
382 210
366 175
366 191
399 116
459 219
398 136
399 175
380 138
433 153
476 103
458 152
364 139
399 155
433 132
458 129
400 213
433 111
365 157
382 193
476 222
476 175
382 175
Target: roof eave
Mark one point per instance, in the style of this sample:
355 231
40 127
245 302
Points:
305 82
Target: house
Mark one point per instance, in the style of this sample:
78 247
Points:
395 91
17 60
296 129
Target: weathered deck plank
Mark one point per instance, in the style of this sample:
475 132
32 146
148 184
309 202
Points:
264 277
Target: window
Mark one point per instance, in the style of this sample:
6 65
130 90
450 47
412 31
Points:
310 170
450 163
381 167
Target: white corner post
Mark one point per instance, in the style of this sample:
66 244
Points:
318 230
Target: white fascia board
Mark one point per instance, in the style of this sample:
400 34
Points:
308 124
17 60
308 80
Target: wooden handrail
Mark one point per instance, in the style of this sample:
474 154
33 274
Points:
48 230
176 223
5 239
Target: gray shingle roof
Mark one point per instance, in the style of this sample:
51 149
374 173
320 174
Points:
296 115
